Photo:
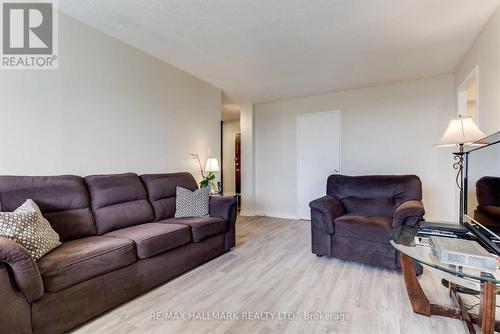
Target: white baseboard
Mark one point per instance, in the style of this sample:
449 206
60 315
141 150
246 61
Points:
283 215
247 213
251 213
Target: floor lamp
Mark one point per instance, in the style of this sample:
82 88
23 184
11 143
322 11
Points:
460 133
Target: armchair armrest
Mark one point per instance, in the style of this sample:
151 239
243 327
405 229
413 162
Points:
330 208
23 267
408 213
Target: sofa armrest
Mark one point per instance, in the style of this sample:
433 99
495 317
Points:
220 206
408 213
330 208
225 208
23 267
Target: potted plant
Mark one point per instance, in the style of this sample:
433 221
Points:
208 179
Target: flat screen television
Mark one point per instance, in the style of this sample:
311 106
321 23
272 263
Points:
482 187
483 182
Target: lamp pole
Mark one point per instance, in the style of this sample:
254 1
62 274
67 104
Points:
459 165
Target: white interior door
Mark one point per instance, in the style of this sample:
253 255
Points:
318 156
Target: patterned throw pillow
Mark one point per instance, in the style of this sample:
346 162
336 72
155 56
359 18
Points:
191 203
27 227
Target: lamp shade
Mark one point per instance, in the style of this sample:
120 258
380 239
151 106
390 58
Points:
212 165
460 131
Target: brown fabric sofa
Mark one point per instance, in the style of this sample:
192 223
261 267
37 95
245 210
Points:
119 239
354 221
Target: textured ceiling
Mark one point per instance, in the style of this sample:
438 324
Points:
264 50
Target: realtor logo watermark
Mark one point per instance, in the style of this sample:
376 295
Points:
29 34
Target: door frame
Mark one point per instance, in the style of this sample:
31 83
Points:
236 135
302 115
473 76
222 156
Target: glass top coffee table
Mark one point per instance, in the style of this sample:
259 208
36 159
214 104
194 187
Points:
483 281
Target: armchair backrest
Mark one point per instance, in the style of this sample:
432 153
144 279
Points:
377 195
488 191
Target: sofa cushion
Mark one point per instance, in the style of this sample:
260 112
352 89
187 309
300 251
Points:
201 228
79 260
192 203
27 227
118 201
152 238
161 190
379 206
63 200
373 228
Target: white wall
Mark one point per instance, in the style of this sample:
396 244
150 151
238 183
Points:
108 108
247 160
387 129
485 52
229 129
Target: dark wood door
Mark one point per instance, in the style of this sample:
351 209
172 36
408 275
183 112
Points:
237 163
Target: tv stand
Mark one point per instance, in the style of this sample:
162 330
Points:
421 305
482 281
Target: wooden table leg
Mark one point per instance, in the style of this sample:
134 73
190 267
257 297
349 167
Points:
465 313
487 307
421 305
418 300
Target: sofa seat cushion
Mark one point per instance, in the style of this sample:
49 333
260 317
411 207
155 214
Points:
153 238
78 260
372 228
201 227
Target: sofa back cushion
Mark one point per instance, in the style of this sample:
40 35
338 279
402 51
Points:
118 201
374 195
162 189
63 201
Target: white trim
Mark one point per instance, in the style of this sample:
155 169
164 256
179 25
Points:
339 111
283 215
247 213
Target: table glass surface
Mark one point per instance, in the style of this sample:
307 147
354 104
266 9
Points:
403 240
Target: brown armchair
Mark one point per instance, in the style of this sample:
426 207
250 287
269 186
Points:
488 201
354 221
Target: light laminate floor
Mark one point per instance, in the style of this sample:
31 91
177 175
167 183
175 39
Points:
273 270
